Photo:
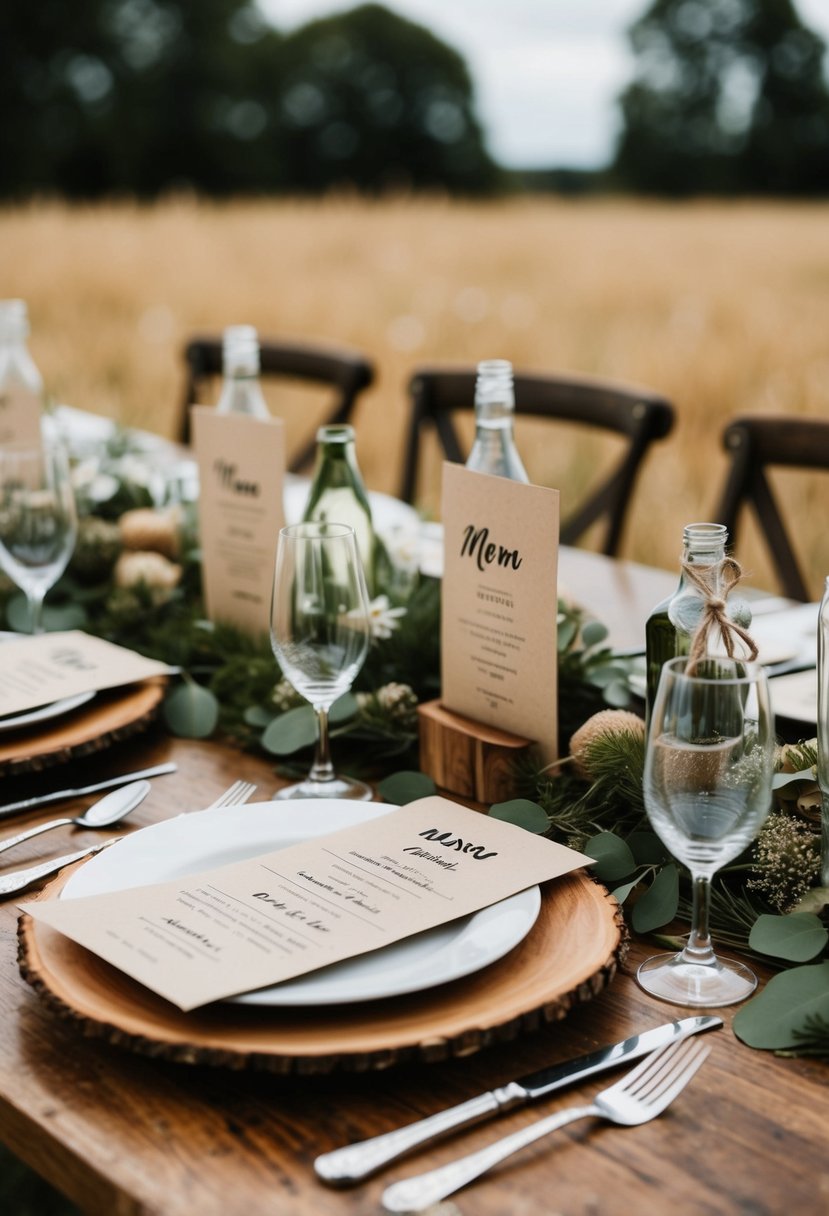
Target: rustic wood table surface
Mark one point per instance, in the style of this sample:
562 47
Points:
118 1132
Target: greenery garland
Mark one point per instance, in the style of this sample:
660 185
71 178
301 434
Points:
135 579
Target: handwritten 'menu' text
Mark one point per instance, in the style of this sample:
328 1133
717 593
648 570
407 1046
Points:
477 851
478 546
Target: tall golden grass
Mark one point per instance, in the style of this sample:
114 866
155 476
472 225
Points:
724 308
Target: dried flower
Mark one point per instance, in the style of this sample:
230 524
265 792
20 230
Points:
786 860
147 530
285 696
150 568
395 703
605 722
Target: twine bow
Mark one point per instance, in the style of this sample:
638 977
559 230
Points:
713 613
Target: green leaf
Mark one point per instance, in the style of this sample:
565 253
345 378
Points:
404 787
770 1021
617 694
647 848
523 813
593 632
567 631
611 856
814 900
190 711
659 903
780 780
621 893
797 938
291 731
258 715
64 616
344 707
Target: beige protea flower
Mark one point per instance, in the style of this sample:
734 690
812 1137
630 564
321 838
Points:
605 722
153 569
147 530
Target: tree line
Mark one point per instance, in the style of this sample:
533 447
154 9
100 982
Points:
101 98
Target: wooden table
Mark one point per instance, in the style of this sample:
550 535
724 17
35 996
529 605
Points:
120 1133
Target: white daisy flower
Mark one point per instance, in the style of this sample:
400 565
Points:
383 619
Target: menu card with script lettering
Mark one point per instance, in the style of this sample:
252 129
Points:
241 470
500 604
40 669
252 923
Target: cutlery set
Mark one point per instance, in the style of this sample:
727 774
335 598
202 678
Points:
106 812
640 1096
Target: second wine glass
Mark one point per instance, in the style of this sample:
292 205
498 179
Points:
320 635
38 522
708 774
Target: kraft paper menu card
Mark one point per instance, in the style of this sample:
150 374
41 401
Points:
241 470
254 923
40 669
499 605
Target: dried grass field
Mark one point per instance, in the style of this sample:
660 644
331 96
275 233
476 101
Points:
722 307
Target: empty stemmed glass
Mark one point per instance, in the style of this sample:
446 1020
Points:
320 635
38 522
708 774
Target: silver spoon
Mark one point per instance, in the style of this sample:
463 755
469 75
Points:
101 814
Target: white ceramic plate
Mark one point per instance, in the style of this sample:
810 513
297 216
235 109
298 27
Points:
44 713
203 840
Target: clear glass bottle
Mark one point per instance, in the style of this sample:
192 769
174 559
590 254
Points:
823 729
673 622
494 449
241 392
21 385
338 495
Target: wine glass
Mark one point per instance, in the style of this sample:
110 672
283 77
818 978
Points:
320 635
708 773
38 522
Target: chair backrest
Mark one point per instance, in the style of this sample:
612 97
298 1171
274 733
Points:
755 444
346 372
637 414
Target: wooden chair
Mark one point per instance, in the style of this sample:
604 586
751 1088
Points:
754 445
346 372
637 414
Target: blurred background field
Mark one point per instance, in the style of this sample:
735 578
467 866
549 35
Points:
721 306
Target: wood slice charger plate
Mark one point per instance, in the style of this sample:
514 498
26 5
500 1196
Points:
569 956
110 716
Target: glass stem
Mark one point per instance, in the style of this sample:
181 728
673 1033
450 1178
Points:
36 611
322 769
699 949
824 854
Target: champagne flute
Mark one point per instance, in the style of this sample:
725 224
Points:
320 635
38 522
708 774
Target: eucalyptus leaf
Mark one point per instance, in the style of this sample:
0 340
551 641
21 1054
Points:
797 938
523 813
291 731
617 694
621 893
344 707
770 1020
593 632
191 711
258 715
64 616
780 780
567 631
658 905
403 787
612 858
647 848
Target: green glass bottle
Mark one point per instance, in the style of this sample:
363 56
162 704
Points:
673 622
338 495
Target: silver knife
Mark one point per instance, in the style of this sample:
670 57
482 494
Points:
19 880
43 799
350 1164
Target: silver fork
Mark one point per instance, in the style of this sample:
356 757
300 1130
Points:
641 1095
235 795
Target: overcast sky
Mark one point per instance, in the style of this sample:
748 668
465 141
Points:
546 72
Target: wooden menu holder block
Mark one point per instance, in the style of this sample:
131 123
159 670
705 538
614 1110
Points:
466 758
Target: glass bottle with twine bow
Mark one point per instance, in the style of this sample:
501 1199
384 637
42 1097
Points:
700 603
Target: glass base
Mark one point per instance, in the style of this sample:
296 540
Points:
337 787
671 977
